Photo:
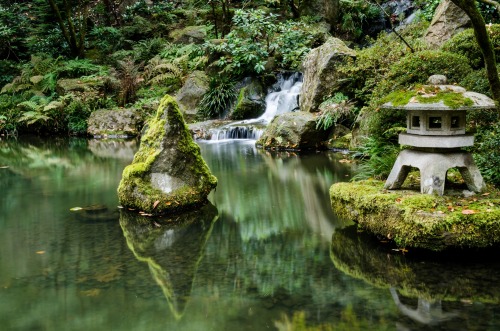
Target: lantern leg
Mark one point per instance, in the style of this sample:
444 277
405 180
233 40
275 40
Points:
398 174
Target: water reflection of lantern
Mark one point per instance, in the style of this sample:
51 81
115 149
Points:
436 118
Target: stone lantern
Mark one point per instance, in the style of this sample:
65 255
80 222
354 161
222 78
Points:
436 117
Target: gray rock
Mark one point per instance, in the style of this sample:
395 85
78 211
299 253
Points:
448 20
321 77
293 131
251 101
115 123
191 93
189 35
65 86
168 173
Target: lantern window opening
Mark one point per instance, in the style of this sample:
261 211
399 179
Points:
415 122
435 123
455 122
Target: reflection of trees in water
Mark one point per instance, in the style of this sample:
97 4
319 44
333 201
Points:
444 290
172 247
268 193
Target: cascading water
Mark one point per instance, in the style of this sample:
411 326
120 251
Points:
282 97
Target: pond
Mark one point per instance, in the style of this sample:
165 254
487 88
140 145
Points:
267 253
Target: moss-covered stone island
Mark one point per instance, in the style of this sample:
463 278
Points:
414 220
168 173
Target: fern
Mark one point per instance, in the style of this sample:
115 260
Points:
160 71
32 117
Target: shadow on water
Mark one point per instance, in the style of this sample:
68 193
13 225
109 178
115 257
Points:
427 292
172 247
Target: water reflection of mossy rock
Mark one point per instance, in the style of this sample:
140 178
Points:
172 247
168 173
293 131
419 220
361 257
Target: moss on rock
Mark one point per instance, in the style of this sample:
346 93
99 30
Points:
417 220
168 173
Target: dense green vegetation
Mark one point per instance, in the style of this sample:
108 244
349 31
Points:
64 59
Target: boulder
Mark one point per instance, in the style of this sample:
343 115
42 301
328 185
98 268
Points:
448 20
251 101
168 173
189 35
71 85
321 77
293 131
191 93
115 123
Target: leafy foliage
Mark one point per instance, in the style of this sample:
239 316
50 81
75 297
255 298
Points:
221 93
332 110
163 72
145 50
355 16
188 57
464 43
130 79
487 154
377 157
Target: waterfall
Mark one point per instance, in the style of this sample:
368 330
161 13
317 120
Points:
282 97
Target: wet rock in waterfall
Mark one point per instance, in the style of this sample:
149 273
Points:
321 77
251 101
115 123
448 20
168 173
293 131
172 247
189 96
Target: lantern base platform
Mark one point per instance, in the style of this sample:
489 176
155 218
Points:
433 168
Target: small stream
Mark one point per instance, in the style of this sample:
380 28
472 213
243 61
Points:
267 253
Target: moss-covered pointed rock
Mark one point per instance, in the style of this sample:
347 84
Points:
168 173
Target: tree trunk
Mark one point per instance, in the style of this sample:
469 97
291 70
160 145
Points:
75 43
483 39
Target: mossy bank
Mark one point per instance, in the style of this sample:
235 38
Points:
168 173
414 220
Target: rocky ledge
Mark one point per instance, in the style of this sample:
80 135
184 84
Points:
414 220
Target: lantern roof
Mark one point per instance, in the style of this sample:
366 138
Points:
437 95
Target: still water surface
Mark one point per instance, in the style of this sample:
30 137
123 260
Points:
266 254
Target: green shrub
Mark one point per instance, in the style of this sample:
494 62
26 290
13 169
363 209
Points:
357 15
415 68
145 50
373 63
377 157
188 57
464 43
220 95
487 154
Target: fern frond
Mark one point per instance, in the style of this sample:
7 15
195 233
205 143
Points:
162 78
28 105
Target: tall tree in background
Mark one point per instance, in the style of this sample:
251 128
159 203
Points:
72 19
483 39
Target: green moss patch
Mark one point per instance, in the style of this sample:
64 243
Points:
166 148
428 95
414 220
